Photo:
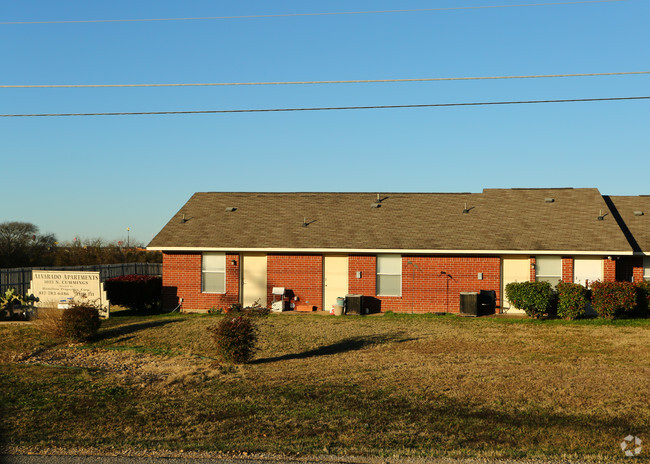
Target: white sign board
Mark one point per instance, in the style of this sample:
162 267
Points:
60 288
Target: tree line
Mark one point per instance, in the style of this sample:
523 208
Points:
22 245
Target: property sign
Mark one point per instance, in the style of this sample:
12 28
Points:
60 288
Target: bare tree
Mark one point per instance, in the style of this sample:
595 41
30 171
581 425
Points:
22 245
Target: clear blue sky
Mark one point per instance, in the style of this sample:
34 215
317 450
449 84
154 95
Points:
95 176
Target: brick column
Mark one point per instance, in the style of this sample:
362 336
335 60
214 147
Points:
532 269
567 270
609 271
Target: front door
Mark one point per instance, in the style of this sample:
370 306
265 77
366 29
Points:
587 270
253 269
513 269
335 279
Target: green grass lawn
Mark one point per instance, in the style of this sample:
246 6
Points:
391 385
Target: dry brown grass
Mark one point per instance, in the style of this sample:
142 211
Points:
49 321
375 385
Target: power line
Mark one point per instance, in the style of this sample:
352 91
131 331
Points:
358 81
330 108
307 14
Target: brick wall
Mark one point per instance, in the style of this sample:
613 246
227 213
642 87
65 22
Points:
367 283
567 270
182 279
609 270
425 289
637 270
302 274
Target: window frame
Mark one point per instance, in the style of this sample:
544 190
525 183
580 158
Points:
205 271
646 268
379 274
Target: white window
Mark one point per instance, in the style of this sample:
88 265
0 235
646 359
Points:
548 269
646 268
213 273
389 275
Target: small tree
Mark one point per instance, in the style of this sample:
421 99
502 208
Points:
535 298
235 338
572 300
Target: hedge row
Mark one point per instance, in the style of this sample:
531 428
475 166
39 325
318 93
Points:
134 291
569 301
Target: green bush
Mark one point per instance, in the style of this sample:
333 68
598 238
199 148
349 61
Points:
612 299
80 322
572 300
643 298
535 298
235 338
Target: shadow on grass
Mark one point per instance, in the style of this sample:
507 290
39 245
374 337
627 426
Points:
454 423
123 330
344 346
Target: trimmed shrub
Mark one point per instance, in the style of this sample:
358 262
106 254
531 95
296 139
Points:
612 299
80 322
235 338
572 300
134 291
535 298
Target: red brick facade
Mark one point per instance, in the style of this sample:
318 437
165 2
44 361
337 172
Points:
429 283
182 279
302 274
367 283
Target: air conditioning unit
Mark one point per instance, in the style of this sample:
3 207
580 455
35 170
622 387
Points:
469 304
354 304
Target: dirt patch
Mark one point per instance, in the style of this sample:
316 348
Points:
129 366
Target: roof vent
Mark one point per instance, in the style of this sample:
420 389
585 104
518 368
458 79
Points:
638 213
375 205
549 200
183 221
466 210
230 209
601 216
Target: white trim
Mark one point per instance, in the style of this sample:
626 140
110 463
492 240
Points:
402 251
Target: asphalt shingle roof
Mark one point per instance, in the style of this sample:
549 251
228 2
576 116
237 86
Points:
638 226
498 219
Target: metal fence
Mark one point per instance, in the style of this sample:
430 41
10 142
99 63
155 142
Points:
19 277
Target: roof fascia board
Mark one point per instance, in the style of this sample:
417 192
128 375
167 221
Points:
396 251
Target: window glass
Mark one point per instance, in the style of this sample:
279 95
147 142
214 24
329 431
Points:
646 268
213 275
548 269
548 265
389 275
214 262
